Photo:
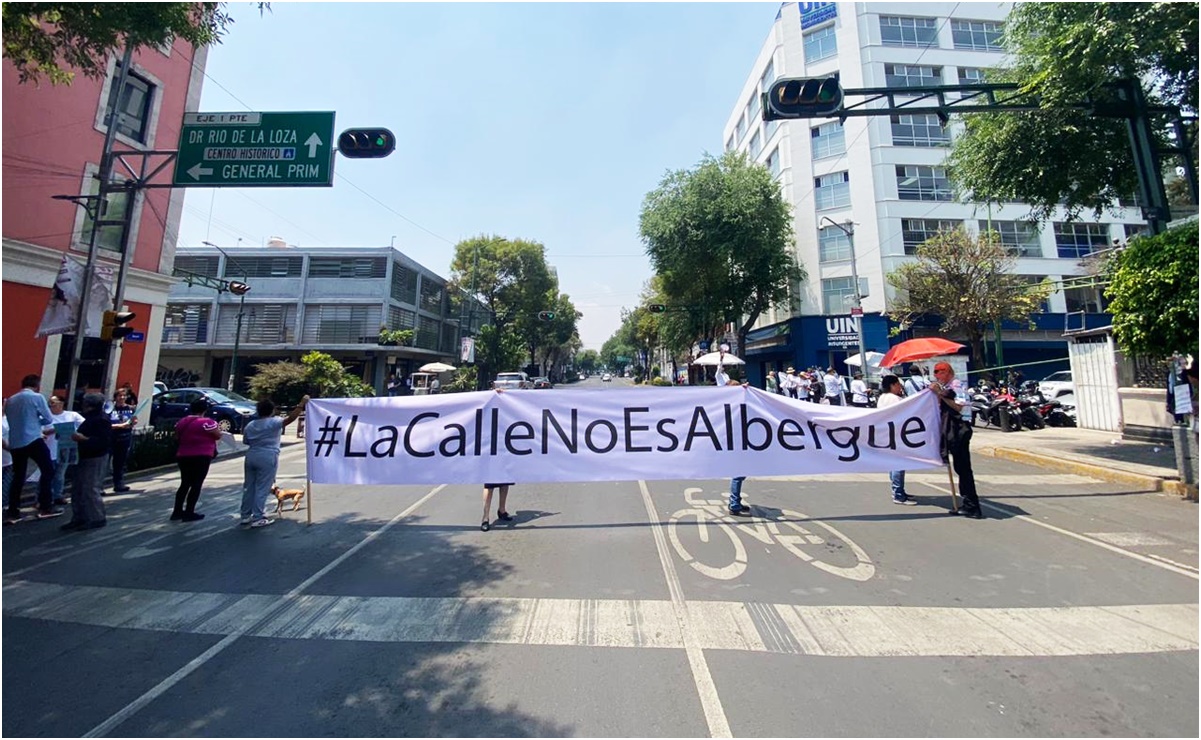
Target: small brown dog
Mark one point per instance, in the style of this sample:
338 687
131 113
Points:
283 494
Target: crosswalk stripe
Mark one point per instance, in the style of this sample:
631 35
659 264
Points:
840 631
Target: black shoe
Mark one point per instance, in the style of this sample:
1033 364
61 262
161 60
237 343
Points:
191 516
741 511
96 525
485 526
49 513
504 516
743 507
74 526
177 515
121 489
973 512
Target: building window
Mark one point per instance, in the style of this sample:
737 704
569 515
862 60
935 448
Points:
756 145
768 76
828 139
769 130
431 295
730 143
355 268
1033 280
752 110
206 266
116 208
773 162
741 129
133 112
970 75
922 129
404 284
338 324
1076 240
911 75
832 191
1019 237
978 35
917 231
833 244
186 323
265 267
1133 230
838 295
401 318
901 31
918 182
820 44
261 323
1087 299
427 333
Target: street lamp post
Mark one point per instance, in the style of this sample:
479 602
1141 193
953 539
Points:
848 228
239 289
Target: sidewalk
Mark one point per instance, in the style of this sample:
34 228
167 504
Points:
1094 454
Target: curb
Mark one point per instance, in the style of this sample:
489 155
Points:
1144 482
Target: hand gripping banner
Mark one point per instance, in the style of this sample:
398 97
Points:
635 434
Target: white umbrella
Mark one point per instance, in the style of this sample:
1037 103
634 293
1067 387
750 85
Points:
436 367
873 359
718 358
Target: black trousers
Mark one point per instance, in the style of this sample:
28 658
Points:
961 461
40 454
192 472
120 451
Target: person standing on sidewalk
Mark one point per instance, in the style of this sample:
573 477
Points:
957 434
916 382
28 417
859 398
891 393
93 439
63 450
832 383
8 459
262 436
123 421
198 437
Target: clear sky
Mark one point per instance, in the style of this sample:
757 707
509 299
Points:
541 121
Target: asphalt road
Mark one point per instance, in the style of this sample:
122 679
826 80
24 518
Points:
612 609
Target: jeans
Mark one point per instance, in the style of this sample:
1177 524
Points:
8 482
736 492
40 454
260 467
120 452
66 458
897 479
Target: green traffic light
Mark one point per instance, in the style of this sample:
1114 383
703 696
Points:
381 141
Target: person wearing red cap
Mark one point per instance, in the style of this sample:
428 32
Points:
957 435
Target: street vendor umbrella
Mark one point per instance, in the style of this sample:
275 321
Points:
919 349
873 359
718 358
436 367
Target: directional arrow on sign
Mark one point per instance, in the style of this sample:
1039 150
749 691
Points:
196 171
312 143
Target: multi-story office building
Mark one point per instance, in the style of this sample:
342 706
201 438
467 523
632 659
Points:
53 140
334 300
885 174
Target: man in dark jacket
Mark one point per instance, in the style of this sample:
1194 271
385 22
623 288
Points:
94 438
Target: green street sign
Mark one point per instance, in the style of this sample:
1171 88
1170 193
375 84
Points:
255 150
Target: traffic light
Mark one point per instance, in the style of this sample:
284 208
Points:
366 143
656 308
113 325
802 98
546 315
238 288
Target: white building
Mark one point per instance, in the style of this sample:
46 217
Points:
885 175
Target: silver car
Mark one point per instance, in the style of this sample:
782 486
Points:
1057 384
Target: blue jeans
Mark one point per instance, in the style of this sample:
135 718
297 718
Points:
66 458
736 492
897 478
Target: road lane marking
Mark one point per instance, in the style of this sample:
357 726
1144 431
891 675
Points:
249 620
835 631
686 627
1160 562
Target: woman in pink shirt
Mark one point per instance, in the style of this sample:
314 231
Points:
198 437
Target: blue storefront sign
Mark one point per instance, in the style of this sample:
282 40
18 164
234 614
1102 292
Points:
813 14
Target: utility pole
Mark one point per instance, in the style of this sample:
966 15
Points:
848 228
239 289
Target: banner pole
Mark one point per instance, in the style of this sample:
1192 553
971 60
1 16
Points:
954 497
308 494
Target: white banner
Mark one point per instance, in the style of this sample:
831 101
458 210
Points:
60 314
635 434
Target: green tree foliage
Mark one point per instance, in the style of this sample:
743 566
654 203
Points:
55 40
720 238
968 282
1067 52
466 379
317 374
1153 286
328 379
588 361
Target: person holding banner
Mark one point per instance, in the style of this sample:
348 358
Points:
892 393
501 514
198 437
262 435
957 434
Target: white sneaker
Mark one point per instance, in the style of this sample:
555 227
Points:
261 523
246 521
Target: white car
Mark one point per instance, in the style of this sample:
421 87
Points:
606 377
512 381
1057 384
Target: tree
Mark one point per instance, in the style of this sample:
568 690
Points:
1153 286
720 238
58 39
1066 52
317 374
588 361
328 379
968 282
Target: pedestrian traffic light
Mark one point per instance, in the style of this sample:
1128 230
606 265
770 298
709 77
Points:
546 315
113 325
656 308
366 143
802 98
238 288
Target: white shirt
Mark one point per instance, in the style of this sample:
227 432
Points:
858 391
887 399
8 457
64 417
833 384
720 377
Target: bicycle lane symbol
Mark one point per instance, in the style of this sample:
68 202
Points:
786 529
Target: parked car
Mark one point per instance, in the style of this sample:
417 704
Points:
160 387
583 376
542 383
512 381
1057 384
607 377
230 410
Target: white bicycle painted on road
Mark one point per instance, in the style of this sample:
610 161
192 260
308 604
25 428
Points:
785 529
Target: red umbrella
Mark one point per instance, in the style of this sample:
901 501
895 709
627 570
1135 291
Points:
919 349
